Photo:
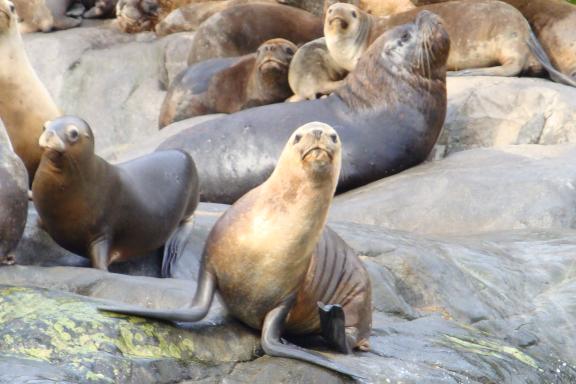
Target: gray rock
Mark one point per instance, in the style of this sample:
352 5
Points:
496 111
527 186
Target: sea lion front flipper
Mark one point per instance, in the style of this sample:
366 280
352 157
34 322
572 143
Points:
197 311
176 245
99 250
332 323
63 23
273 346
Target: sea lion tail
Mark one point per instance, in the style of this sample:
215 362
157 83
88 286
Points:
538 51
176 245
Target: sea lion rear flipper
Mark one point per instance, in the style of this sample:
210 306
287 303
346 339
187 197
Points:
332 323
176 245
197 311
273 346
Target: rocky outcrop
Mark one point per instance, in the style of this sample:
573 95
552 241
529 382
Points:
528 186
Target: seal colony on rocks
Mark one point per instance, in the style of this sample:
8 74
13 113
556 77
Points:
240 30
13 198
389 113
275 265
501 45
25 104
110 212
257 79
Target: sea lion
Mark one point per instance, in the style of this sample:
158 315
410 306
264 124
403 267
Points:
34 16
99 8
385 7
189 17
25 104
554 22
13 198
242 29
110 212
389 113
274 265
257 79
500 45
313 72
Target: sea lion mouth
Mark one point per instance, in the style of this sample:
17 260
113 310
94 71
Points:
341 20
317 152
272 63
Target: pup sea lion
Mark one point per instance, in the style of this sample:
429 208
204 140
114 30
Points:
110 212
389 113
273 263
500 45
242 29
257 79
24 101
13 198
189 17
313 72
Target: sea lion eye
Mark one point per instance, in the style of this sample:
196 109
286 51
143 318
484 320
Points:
354 14
289 51
334 138
405 36
297 138
12 7
73 134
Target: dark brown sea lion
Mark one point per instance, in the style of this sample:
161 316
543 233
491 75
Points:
110 212
389 114
240 30
189 17
313 72
499 45
274 264
13 198
25 104
257 79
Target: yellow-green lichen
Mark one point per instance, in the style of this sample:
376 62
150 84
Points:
490 348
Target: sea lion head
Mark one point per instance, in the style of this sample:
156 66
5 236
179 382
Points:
421 47
314 151
400 66
135 16
8 17
345 21
67 137
275 56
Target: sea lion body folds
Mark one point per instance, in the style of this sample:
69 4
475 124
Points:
109 212
240 30
272 260
257 79
25 104
389 113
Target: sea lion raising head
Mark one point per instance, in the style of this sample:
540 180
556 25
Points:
110 212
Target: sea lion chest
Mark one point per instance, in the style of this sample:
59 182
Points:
260 255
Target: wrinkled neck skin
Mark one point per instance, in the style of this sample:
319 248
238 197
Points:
346 51
374 86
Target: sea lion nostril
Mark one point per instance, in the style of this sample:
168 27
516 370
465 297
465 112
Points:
317 133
